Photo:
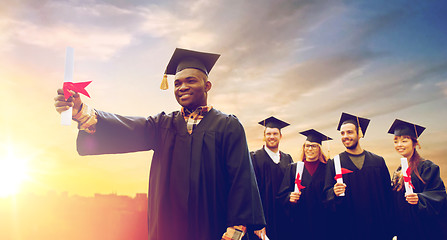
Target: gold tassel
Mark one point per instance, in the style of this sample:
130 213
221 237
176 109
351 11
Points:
360 128
164 83
360 132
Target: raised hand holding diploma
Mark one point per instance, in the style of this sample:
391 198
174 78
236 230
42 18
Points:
68 86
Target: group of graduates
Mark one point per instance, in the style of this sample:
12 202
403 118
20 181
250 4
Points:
365 204
205 184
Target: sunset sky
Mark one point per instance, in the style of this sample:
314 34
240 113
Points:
304 62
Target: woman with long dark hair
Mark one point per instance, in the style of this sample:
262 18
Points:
421 214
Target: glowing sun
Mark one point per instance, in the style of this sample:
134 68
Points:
13 171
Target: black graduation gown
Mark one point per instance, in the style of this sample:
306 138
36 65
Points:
269 176
366 210
426 219
308 216
199 183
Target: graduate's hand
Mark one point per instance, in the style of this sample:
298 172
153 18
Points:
261 233
234 233
412 198
73 101
339 188
295 196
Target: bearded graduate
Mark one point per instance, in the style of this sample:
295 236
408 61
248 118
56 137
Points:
422 213
362 204
305 207
269 164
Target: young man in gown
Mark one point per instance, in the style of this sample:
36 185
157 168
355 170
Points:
269 164
364 212
201 184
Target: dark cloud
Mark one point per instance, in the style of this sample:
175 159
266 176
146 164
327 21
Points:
317 73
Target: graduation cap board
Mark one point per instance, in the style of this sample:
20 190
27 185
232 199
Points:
184 58
273 122
403 128
315 136
361 123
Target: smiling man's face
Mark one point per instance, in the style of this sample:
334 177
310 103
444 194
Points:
191 87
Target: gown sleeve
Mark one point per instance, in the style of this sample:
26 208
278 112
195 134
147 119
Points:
243 189
329 195
117 134
433 196
287 187
257 171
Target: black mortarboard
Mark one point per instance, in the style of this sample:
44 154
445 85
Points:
273 122
315 136
360 122
402 128
183 58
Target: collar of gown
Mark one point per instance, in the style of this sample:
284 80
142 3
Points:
274 156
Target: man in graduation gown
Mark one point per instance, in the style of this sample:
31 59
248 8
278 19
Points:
365 210
201 182
269 164
305 208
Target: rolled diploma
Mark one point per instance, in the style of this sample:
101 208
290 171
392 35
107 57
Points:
66 116
404 164
299 170
337 166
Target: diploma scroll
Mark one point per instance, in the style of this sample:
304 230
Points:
68 77
299 175
407 178
338 172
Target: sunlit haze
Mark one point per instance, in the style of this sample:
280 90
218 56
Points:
13 171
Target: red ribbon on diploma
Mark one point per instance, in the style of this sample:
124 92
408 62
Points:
298 182
77 87
408 178
343 171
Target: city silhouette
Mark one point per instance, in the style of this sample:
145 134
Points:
60 216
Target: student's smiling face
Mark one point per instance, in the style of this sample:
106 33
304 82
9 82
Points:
349 135
191 87
311 151
272 136
404 146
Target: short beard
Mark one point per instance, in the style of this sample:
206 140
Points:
274 146
353 146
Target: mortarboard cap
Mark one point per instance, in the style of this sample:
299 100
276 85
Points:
361 123
183 58
402 128
273 122
315 136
